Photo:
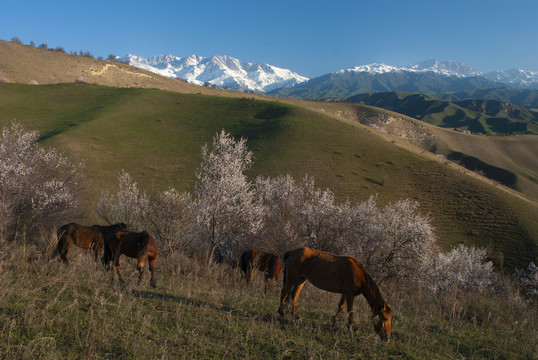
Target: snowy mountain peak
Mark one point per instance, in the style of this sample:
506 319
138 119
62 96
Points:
446 68
220 70
515 77
374 68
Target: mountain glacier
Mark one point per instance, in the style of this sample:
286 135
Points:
222 71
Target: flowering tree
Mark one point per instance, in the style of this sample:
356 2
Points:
281 199
226 215
38 187
463 268
393 242
529 281
128 205
166 215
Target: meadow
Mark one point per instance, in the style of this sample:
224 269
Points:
156 136
49 310
154 128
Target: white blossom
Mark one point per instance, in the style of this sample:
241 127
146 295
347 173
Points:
38 187
225 212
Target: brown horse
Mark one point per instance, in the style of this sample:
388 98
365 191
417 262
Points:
140 246
338 274
86 237
258 260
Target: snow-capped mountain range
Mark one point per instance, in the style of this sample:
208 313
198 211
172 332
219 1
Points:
445 68
222 71
513 77
230 73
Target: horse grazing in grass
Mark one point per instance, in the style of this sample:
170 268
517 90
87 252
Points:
338 274
258 260
86 237
140 246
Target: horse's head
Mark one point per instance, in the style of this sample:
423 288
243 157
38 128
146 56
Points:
144 246
381 321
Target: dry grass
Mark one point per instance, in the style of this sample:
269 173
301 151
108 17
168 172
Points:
49 310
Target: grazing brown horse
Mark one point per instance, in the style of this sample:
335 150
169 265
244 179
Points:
338 274
85 237
258 260
140 246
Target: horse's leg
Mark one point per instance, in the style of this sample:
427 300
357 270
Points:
295 294
118 269
268 284
151 269
284 294
250 273
64 244
349 299
140 267
340 307
96 249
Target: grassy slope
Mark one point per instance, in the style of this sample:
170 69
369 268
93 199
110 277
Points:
157 135
52 311
515 154
51 67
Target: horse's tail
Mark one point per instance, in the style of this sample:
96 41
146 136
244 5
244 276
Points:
286 256
60 241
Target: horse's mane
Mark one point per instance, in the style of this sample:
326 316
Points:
371 286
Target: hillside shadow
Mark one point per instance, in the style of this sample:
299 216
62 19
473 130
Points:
503 176
460 120
266 124
506 126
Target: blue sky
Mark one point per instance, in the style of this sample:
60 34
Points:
310 37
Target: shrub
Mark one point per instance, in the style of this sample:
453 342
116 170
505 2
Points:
394 242
39 188
16 40
166 215
461 269
225 212
528 279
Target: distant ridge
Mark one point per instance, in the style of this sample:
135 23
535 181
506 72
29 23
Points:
430 77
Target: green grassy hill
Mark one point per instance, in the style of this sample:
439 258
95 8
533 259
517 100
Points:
156 136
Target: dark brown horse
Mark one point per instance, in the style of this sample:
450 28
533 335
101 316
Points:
140 246
338 274
258 260
86 237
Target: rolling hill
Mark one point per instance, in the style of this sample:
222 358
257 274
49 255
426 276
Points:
487 117
527 98
153 127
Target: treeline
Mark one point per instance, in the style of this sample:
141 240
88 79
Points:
227 213
44 46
